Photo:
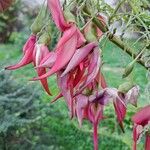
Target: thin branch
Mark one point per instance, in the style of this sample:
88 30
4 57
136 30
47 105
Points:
115 10
116 40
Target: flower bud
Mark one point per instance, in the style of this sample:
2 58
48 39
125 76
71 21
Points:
44 38
69 16
125 87
39 21
90 33
128 69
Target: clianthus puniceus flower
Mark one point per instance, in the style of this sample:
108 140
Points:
34 50
76 61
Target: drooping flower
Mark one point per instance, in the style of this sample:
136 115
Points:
27 54
92 111
33 53
141 121
40 52
70 41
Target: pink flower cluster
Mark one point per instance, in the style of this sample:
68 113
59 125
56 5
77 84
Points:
77 64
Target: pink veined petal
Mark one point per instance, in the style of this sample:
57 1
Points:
132 95
94 60
95 112
113 92
41 71
26 59
120 111
147 142
102 97
78 76
81 103
63 57
142 117
137 130
41 51
78 56
48 61
27 54
93 68
66 36
57 14
31 41
63 85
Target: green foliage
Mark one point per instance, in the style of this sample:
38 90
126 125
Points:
19 107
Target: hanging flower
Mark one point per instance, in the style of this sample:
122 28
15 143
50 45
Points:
27 54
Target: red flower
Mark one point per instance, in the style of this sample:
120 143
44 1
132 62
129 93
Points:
33 53
27 54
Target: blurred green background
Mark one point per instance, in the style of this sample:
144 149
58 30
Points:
27 118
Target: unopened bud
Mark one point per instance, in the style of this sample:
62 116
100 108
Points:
125 87
39 21
90 33
128 69
69 16
44 38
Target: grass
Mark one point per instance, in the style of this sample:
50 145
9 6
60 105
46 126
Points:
58 129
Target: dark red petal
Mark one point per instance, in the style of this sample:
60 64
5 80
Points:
143 116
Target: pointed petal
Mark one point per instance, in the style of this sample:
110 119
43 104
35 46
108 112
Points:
63 57
81 103
79 74
78 56
31 41
66 36
26 59
93 68
63 85
48 61
132 95
95 112
137 130
41 71
120 111
143 116
57 97
57 14
41 51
